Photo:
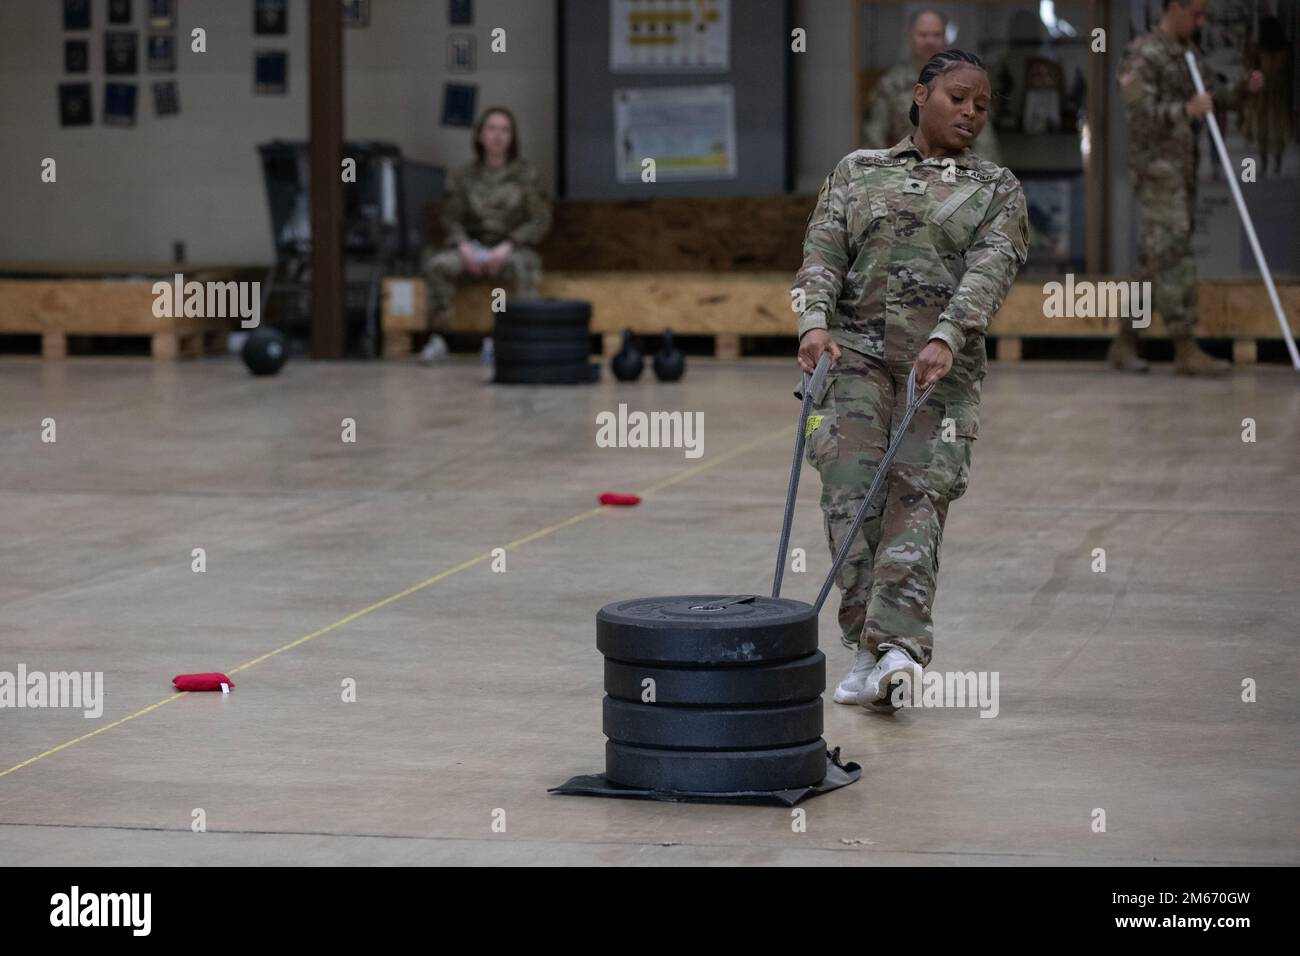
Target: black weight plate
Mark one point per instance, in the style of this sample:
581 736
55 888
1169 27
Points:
715 771
782 683
505 324
548 353
545 311
559 373
706 629
712 728
542 334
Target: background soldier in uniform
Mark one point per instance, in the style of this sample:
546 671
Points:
494 213
907 255
1164 116
887 118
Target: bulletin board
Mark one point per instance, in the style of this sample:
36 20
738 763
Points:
600 84
674 36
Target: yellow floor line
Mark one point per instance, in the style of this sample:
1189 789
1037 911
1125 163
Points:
77 740
464 565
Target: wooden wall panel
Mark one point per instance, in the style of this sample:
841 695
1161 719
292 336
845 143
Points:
759 234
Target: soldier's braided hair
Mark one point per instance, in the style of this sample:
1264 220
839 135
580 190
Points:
940 64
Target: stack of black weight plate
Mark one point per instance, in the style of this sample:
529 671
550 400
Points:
712 694
544 342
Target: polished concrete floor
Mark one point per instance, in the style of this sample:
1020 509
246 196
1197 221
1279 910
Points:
476 691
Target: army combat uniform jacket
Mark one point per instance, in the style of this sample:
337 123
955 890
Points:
492 205
488 206
900 250
1155 85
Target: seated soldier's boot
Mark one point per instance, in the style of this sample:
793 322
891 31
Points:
855 681
1123 353
894 664
1190 360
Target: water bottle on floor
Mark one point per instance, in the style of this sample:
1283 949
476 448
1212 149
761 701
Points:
487 360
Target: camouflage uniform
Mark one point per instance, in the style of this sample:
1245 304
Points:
489 205
1155 85
887 120
895 255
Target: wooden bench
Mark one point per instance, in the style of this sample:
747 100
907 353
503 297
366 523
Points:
723 267
55 307
728 306
1236 309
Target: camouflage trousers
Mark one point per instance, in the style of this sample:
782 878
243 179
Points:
888 581
1165 256
522 268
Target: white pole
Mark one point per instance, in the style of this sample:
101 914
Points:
1231 175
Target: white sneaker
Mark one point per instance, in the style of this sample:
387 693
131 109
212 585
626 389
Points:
855 681
435 350
893 664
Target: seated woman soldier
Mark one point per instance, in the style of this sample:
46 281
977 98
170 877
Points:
494 214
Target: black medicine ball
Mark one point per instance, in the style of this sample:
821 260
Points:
265 351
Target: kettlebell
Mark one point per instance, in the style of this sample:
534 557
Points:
265 351
628 362
670 363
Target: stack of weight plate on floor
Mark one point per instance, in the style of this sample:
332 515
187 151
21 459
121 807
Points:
544 342
711 694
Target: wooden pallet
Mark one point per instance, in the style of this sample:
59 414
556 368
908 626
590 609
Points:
729 306
56 308
163 346
1237 309
403 315
690 303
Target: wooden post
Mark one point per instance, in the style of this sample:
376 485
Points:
325 109
726 346
165 347
54 344
1245 351
1009 348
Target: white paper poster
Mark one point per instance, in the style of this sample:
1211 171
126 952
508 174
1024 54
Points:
689 132
401 297
669 36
